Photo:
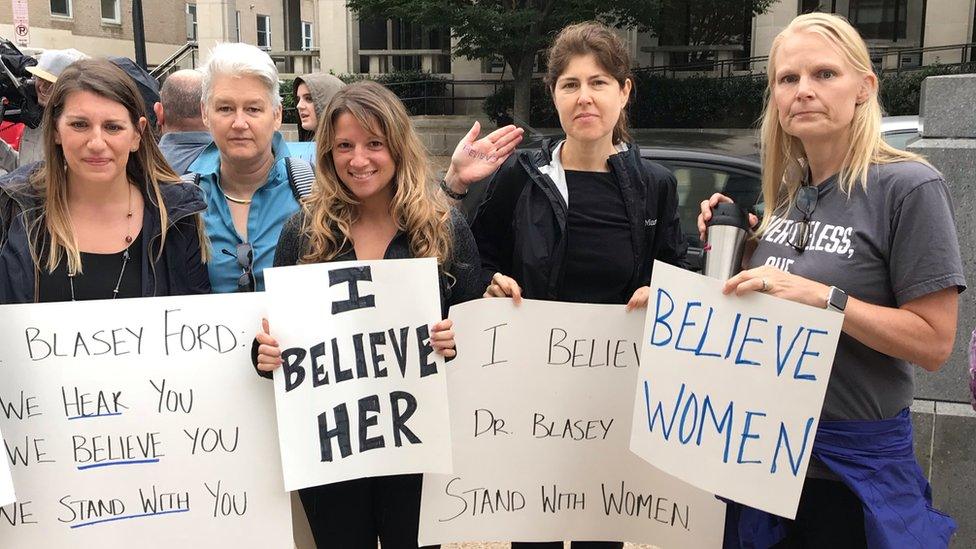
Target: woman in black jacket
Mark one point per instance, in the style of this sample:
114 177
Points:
104 216
578 220
374 198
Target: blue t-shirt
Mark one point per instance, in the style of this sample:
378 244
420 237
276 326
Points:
271 205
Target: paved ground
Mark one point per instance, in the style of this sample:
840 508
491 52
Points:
473 545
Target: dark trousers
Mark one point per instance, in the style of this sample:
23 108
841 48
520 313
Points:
355 513
575 544
829 515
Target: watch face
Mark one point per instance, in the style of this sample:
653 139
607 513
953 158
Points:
837 299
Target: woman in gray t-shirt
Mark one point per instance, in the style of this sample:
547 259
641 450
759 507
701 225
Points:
857 226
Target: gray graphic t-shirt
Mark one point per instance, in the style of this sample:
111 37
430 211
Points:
888 245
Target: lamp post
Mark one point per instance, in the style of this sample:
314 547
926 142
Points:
138 33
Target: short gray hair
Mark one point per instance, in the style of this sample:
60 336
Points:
181 95
238 59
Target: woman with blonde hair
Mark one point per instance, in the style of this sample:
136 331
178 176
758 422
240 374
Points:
851 225
374 198
103 216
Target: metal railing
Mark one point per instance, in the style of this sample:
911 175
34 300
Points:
886 59
175 60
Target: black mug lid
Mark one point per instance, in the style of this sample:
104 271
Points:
729 214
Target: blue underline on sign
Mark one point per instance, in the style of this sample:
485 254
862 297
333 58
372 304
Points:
110 463
129 517
96 415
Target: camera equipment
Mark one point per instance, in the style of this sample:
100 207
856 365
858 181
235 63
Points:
18 98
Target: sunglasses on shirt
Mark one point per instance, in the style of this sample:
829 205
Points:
245 260
806 203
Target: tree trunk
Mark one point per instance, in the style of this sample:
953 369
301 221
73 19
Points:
523 89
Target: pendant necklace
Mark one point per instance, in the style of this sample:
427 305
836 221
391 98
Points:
125 253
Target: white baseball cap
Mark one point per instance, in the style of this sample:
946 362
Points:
52 62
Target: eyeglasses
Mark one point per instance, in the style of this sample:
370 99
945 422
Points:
806 202
245 260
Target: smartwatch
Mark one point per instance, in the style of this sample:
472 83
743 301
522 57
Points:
836 300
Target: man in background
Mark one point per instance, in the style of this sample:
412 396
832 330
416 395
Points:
46 72
184 135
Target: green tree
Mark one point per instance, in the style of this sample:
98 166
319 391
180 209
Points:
517 30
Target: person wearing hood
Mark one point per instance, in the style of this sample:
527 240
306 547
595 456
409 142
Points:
103 216
311 93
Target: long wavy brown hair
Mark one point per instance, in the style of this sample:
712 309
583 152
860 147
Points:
418 207
146 168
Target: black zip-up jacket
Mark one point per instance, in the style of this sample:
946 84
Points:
178 271
520 227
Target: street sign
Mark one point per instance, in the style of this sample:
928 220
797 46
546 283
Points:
21 25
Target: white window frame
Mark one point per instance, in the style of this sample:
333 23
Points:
118 13
192 20
62 15
307 41
267 27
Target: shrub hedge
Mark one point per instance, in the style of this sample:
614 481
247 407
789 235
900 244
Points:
700 102
421 92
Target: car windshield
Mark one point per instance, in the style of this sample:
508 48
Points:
900 139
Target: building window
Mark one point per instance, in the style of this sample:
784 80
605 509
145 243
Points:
264 32
237 23
306 36
191 21
61 8
110 11
387 38
880 19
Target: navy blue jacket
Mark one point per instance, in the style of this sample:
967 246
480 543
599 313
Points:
177 271
876 460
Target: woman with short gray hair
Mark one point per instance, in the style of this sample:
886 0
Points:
244 172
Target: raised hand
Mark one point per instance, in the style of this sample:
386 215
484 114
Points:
475 159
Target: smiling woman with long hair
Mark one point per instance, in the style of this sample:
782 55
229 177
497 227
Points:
374 198
104 216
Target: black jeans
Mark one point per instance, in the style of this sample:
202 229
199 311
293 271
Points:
830 515
355 513
575 544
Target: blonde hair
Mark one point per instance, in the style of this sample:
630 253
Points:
783 157
146 167
418 207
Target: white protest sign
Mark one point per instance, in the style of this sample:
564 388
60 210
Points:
139 423
730 388
361 392
541 398
7 495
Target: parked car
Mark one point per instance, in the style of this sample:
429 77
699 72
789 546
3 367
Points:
699 175
899 131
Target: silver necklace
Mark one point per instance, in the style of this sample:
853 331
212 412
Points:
125 254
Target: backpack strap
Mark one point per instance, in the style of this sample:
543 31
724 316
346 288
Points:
301 177
192 178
